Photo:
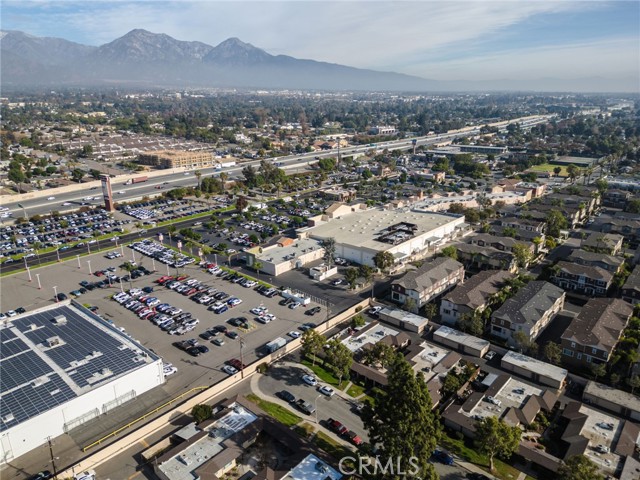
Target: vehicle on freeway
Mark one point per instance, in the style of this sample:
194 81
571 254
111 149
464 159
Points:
443 457
294 334
228 369
309 380
286 396
328 391
218 341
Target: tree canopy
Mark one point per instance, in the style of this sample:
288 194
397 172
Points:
579 467
495 437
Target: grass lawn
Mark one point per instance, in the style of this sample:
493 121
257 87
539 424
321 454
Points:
281 414
547 167
333 448
324 375
355 390
503 470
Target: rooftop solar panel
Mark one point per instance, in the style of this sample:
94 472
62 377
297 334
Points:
45 363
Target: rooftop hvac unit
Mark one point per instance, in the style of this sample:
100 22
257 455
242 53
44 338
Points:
52 341
60 320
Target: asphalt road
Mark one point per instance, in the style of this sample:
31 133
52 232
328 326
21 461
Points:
177 179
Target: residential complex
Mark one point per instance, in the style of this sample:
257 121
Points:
176 159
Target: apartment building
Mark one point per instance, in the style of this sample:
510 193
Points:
476 257
428 281
593 335
593 259
529 311
583 279
472 296
176 159
608 243
631 288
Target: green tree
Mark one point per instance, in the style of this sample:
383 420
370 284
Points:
366 272
351 276
171 230
129 268
522 254
579 467
402 423
258 266
555 221
573 171
340 358
198 175
451 384
357 321
598 370
495 437
552 352
602 185
383 260
241 203
472 324
450 251
77 174
430 310
524 343
410 305
16 175
557 170
379 356
312 343
329 245
201 412
633 382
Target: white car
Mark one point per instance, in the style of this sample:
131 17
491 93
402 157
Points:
121 192
51 198
169 369
493 400
328 391
601 449
228 369
310 380
294 305
490 354
259 310
11 313
294 334
66 204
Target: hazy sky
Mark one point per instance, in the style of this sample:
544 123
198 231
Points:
442 40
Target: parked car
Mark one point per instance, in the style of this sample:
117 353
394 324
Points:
286 396
309 380
228 369
443 457
328 391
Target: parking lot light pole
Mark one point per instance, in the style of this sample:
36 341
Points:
122 249
38 279
58 253
153 264
89 263
79 266
55 293
121 289
29 273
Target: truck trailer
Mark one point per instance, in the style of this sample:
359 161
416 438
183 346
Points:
136 180
276 344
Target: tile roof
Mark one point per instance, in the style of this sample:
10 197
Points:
587 271
599 323
589 258
530 303
633 282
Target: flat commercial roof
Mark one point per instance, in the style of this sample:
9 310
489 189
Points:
310 469
279 254
462 338
368 336
404 316
613 395
52 355
359 229
183 466
535 366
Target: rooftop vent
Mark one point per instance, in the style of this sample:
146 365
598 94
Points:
8 418
60 320
52 341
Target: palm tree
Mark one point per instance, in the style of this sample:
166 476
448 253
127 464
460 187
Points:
258 266
36 247
198 175
171 229
223 179
129 268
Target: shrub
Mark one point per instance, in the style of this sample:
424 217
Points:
262 368
201 412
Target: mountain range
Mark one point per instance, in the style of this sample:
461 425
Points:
144 59
157 60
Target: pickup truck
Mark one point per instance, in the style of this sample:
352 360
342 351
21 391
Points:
306 407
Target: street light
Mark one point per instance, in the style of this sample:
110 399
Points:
315 404
38 278
79 266
58 253
29 273
89 263
121 289
55 293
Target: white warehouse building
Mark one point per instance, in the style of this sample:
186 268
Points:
406 234
62 366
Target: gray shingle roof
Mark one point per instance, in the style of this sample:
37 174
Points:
429 274
530 303
475 291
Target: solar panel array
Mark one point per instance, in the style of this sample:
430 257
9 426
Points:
29 384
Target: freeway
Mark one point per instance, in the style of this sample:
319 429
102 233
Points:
173 179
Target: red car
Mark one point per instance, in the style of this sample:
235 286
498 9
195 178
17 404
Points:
354 438
164 279
234 362
337 427
98 273
182 277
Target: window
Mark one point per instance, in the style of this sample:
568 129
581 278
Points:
594 351
588 359
446 311
573 344
579 356
567 352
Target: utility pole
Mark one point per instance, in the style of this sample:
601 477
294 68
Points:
53 459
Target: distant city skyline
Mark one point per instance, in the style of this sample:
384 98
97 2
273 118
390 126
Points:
439 40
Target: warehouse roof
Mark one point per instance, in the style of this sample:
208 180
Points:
362 229
52 355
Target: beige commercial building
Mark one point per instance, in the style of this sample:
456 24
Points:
176 159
